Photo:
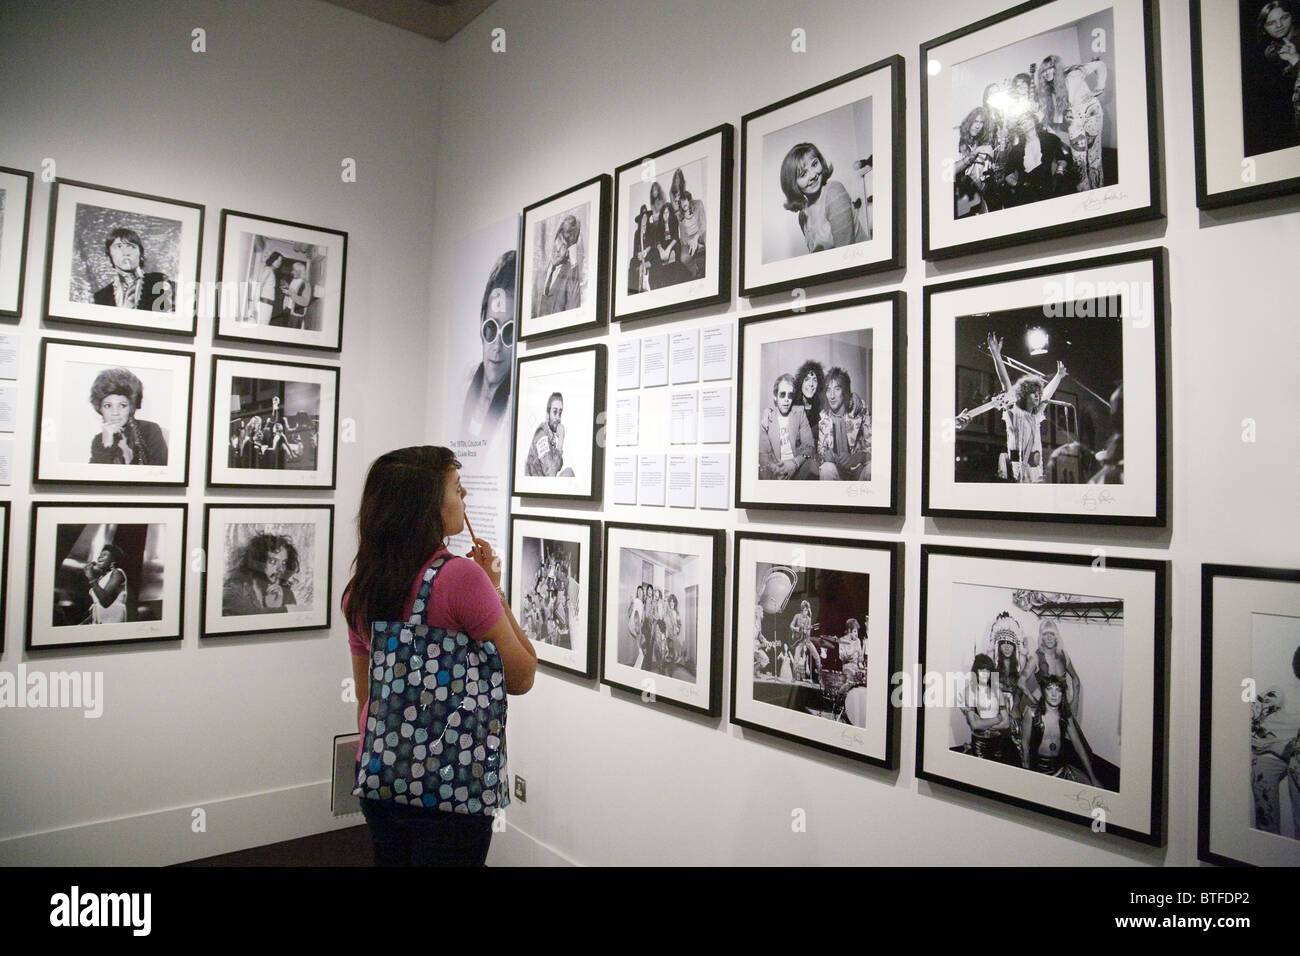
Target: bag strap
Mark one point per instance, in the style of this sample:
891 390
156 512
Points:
420 609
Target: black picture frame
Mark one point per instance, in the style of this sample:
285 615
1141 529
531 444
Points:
593 565
1152 833
13 281
892 258
598 307
179 559
721 276
530 486
717 543
226 328
1206 836
119 475
1157 260
1054 224
856 495
1206 37
893 655
280 508
4 572
260 477
57 307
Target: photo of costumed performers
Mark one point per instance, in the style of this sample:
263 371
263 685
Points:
1035 120
551 574
1040 396
658 594
810 641
1043 691
669 230
1275 725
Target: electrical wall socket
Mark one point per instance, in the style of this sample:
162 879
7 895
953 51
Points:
521 789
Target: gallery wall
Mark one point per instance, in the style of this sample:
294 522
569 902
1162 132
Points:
113 93
592 85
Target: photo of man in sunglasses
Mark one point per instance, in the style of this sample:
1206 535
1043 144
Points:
487 397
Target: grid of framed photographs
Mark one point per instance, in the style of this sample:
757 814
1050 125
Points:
123 262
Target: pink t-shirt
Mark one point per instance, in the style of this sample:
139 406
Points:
463 598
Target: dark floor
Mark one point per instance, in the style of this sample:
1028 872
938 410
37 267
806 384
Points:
349 847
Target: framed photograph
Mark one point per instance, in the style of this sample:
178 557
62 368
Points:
122 259
1250 716
112 415
559 448
273 424
822 182
15 216
663 614
812 661
1250 50
818 416
1037 123
672 227
281 282
565 242
555 589
105 574
1045 683
274 565
1045 394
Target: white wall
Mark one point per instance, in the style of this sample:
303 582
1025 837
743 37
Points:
287 89
613 781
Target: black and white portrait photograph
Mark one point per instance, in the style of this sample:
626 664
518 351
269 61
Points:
559 396
1038 123
1045 393
1026 411
280 282
565 259
1245 100
672 227
103 574
806 654
112 415
555 562
1250 716
663 613
273 424
15 215
1031 666
122 258
1044 682
820 181
818 386
269 569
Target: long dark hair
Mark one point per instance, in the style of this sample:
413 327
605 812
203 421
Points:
399 526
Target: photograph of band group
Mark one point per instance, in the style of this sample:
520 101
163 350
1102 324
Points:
658 593
810 641
552 573
1040 398
274 424
1035 120
1045 681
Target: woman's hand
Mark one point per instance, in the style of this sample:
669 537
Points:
483 555
110 434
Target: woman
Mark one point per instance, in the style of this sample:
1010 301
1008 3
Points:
268 287
828 216
107 583
1051 101
117 394
412 502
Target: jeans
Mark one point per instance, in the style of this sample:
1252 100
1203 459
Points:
405 835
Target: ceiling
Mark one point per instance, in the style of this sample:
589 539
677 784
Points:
436 19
